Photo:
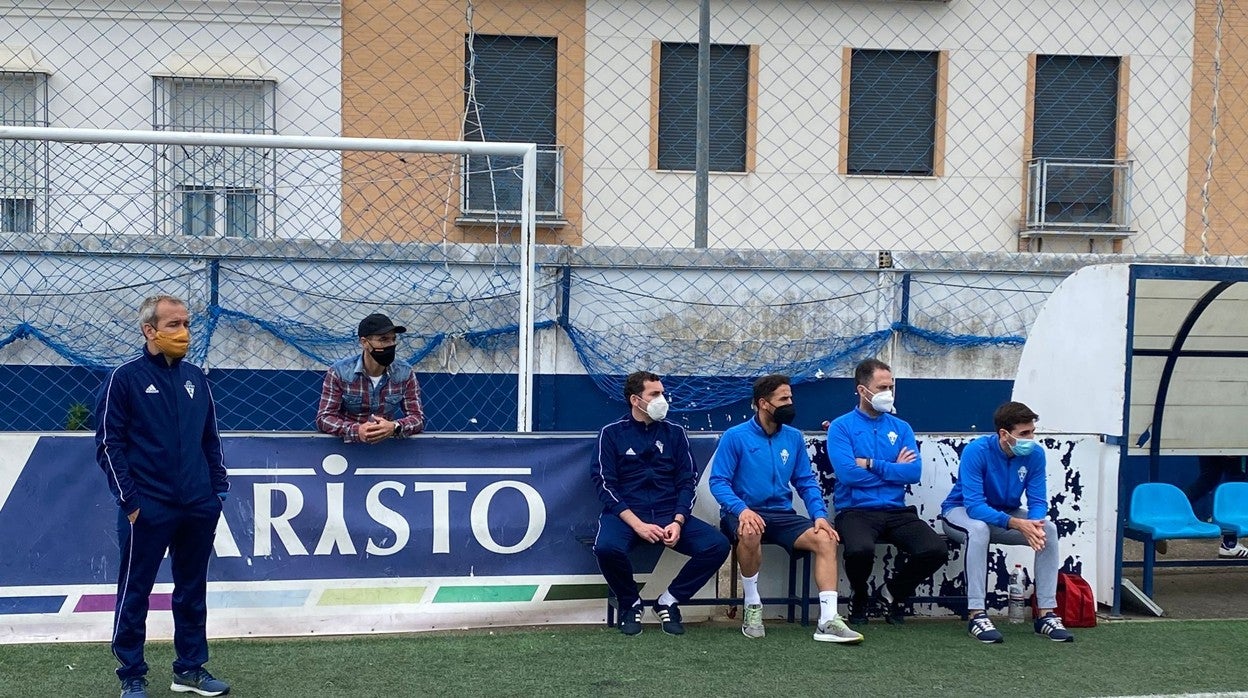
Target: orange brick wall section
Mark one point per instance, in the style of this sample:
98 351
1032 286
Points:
1228 189
403 77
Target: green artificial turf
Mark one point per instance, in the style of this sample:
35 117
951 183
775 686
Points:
922 658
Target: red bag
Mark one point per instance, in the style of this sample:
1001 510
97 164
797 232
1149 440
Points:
1075 602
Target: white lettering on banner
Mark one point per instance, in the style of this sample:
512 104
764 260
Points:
480 517
224 544
335 533
266 523
441 510
386 517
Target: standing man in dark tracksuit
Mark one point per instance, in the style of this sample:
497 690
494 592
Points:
645 476
157 443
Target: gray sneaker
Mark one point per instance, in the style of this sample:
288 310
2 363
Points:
835 630
134 687
752 624
199 682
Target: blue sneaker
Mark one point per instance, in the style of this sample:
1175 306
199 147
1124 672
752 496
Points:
630 619
669 616
1050 625
198 681
982 629
134 687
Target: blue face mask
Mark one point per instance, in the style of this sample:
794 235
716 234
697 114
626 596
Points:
1023 447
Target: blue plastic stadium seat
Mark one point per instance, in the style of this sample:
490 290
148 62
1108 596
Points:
1160 511
1230 507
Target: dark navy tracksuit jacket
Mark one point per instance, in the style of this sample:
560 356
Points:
157 434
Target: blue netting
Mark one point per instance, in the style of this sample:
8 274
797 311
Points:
268 328
712 332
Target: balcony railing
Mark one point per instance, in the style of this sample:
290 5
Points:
491 187
1092 196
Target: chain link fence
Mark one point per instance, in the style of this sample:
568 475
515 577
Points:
907 178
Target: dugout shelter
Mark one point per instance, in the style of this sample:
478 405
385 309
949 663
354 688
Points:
1153 358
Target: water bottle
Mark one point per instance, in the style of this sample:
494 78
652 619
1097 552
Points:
1018 596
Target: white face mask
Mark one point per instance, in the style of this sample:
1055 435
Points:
882 401
657 408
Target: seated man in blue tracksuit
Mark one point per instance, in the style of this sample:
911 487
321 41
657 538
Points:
985 506
752 471
875 457
645 476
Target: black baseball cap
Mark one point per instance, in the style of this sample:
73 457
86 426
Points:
378 324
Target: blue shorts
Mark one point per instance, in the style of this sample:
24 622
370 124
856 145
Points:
782 528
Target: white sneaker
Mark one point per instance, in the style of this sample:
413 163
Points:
1238 551
752 624
835 630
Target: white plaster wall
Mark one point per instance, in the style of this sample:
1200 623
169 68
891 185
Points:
102 55
795 199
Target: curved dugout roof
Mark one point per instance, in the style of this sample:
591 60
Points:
1170 339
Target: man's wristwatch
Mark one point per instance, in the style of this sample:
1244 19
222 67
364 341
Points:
397 429
870 462
679 522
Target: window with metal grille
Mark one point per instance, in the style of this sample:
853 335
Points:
209 190
678 107
510 85
892 112
23 164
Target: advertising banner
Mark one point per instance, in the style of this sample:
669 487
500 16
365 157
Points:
318 536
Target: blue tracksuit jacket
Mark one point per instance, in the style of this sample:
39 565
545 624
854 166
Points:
647 468
991 483
751 470
157 433
857 435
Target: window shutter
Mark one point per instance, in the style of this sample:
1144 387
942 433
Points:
515 89
1076 108
678 106
892 112
515 96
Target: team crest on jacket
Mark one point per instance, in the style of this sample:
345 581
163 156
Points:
784 456
1022 473
659 445
892 438
190 389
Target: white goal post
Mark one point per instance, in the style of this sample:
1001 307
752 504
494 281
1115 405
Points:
528 199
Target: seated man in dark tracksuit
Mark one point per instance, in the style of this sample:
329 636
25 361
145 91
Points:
875 457
645 476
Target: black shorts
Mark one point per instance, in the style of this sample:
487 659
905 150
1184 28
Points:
781 528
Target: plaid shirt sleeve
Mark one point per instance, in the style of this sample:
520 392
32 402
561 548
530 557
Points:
413 421
330 415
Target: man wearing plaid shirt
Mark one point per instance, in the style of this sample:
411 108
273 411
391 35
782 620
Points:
371 396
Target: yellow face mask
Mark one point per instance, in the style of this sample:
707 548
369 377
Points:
173 344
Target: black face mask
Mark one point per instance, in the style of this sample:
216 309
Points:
784 414
383 356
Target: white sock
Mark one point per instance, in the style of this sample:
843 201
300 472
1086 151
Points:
827 606
666 599
751 590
